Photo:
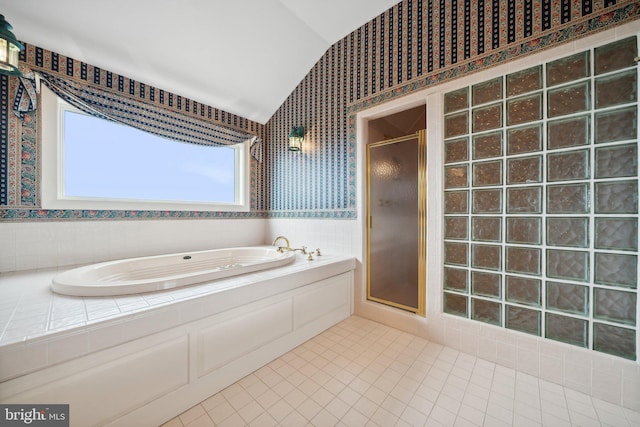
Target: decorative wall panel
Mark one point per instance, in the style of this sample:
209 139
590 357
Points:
564 239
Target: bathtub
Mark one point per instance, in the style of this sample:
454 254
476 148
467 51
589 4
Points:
146 274
155 355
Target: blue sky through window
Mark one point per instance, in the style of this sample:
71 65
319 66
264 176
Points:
109 160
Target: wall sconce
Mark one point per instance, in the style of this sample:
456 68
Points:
10 48
295 138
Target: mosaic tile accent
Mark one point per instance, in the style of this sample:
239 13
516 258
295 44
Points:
554 208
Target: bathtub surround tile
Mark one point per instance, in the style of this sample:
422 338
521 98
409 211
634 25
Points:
59 244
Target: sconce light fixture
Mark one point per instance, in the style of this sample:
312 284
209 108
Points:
10 48
295 138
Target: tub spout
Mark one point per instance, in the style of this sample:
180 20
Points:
282 248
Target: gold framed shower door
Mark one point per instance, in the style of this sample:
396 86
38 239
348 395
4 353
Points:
396 222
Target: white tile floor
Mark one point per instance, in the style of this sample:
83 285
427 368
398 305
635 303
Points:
362 373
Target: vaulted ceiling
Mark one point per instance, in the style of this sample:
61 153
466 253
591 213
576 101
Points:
243 56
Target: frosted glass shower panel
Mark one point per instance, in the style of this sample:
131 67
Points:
394 222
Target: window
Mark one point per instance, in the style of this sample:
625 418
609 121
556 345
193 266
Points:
91 163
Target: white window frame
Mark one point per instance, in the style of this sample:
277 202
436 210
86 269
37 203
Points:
52 114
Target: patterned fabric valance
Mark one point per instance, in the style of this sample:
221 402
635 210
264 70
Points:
146 117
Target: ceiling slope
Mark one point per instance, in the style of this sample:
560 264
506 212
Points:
242 56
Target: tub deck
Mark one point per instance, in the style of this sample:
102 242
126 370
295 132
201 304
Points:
40 328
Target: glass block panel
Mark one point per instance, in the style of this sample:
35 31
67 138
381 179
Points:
617 197
455 304
523 170
568 100
524 81
568 298
488 91
566 329
456 202
487 201
566 69
524 140
568 232
616 125
570 265
486 311
456 100
615 306
621 88
523 260
455 279
523 319
455 227
456 124
486 228
487 173
524 230
569 132
614 340
486 257
524 110
617 233
572 198
617 161
487 145
487 118
616 55
455 253
523 290
456 176
524 200
568 165
485 284
617 270
456 150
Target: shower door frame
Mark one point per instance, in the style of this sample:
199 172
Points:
421 136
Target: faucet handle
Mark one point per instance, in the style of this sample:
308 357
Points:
310 256
318 252
303 250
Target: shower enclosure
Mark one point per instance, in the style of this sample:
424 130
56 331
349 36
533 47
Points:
396 228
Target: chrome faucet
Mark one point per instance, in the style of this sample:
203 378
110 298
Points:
282 248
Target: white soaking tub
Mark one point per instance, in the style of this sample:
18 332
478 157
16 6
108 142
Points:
153 273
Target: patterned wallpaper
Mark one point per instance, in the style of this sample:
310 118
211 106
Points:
415 44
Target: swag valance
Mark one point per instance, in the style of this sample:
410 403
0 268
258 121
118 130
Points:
149 118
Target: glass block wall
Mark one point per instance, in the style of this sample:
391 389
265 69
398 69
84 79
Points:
541 200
